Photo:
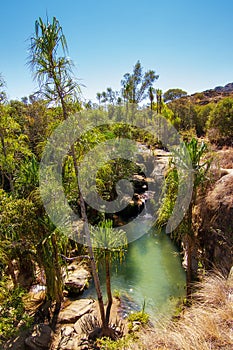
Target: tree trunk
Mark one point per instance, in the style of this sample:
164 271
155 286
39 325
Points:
108 287
84 215
89 244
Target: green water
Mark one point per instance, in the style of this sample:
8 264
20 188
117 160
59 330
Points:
150 272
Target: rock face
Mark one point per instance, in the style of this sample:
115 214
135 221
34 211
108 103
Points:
75 310
77 278
216 224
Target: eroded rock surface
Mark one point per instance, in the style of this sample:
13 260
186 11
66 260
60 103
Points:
216 223
75 310
77 279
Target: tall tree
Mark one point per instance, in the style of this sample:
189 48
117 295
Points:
54 74
99 96
159 101
151 92
135 86
109 246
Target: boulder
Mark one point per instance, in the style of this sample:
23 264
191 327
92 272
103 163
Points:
75 310
40 338
77 278
69 340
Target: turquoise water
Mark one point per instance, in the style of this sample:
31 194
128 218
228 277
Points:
151 272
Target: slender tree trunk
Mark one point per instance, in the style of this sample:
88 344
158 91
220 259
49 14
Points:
89 244
108 287
84 214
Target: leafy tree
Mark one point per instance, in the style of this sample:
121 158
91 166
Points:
18 225
173 94
186 112
135 86
111 95
203 114
221 120
13 148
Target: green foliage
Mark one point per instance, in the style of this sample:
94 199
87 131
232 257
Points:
169 195
173 94
119 344
186 113
203 113
135 86
117 294
13 147
12 311
18 218
140 317
106 242
27 177
53 72
221 120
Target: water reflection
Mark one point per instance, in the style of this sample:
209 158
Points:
150 272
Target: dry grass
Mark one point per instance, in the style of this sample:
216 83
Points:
207 324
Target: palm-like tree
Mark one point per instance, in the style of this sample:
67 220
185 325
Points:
108 246
99 96
54 75
151 92
199 169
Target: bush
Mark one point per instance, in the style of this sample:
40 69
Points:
12 312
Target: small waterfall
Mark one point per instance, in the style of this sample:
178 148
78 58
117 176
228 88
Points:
148 214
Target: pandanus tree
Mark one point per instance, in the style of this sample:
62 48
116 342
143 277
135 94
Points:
57 83
200 167
109 245
190 160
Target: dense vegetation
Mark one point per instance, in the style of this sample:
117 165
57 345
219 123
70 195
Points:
30 244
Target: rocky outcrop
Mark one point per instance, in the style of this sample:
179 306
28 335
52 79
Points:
215 214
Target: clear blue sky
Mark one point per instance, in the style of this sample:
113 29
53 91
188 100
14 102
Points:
188 43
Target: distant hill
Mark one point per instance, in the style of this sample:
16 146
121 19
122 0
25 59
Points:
226 88
212 95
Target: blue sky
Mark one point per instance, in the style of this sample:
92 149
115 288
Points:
188 43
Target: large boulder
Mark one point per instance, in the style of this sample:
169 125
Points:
75 310
215 212
77 278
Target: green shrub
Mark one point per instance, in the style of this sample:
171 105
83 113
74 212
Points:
12 312
140 317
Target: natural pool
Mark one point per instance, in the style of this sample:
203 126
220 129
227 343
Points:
151 272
